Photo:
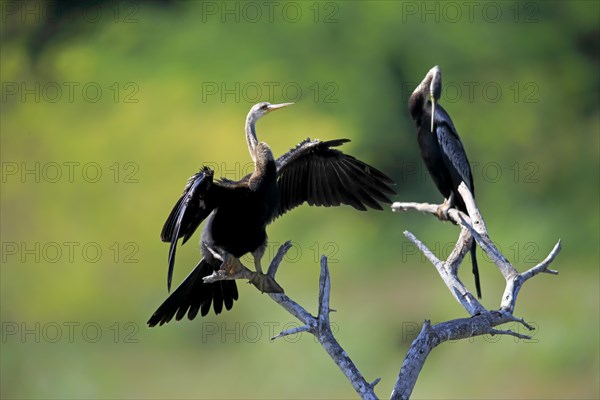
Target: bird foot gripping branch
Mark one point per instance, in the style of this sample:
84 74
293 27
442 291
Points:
442 211
232 268
265 283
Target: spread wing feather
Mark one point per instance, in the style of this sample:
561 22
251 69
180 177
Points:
194 205
317 173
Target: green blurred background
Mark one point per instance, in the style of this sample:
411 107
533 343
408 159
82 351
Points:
108 107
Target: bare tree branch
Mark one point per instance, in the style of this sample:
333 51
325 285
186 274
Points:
482 321
319 326
513 286
449 276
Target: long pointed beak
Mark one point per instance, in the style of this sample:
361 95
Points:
274 107
432 110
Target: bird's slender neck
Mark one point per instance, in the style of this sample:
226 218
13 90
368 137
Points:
265 171
264 157
251 135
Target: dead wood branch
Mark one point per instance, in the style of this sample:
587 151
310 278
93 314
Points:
482 321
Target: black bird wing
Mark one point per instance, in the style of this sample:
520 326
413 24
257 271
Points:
194 205
316 173
455 157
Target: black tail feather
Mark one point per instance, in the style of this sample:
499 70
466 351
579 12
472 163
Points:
475 268
195 295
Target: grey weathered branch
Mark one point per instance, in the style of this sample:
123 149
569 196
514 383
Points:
482 321
319 326
448 272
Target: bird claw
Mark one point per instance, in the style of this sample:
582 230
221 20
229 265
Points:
265 283
442 211
232 267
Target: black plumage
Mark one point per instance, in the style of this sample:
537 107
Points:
441 148
237 213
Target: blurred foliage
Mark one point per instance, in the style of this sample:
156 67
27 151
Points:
521 86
